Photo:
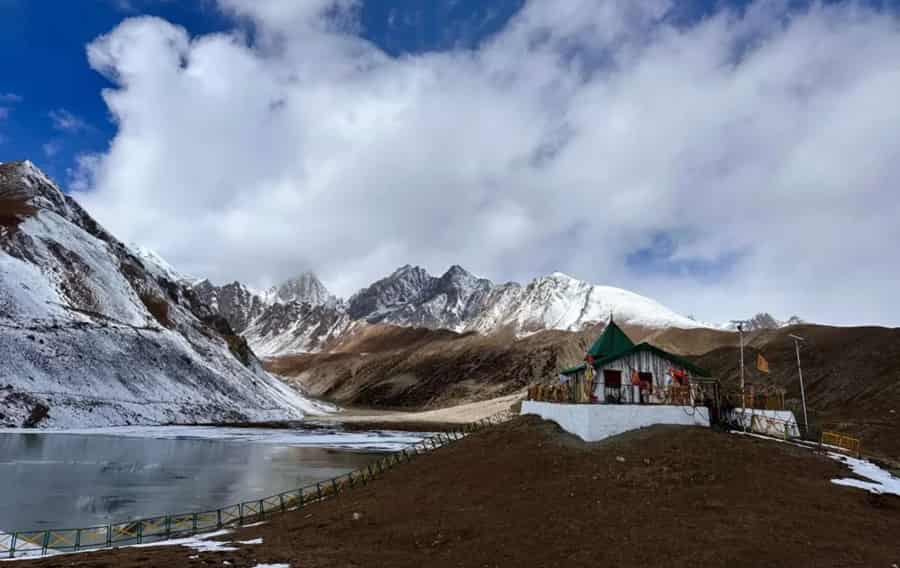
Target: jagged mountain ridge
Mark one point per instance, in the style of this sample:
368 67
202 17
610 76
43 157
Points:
91 334
763 321
411 297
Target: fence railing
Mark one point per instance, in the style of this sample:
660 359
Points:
752 421
19 544
848 443
675 395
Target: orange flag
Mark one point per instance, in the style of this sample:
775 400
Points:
762 364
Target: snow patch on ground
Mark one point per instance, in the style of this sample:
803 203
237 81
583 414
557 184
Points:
880 482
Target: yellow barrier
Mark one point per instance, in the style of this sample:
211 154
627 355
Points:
849 443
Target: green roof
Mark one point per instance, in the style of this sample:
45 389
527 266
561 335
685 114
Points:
614 344
680 361
613 340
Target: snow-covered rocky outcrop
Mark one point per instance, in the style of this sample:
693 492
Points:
300 315
762 320
92 334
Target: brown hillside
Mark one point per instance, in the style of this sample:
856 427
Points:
390 366
852 377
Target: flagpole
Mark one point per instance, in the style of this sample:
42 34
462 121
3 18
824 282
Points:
797 339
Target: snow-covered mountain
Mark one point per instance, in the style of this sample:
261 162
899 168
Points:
762 320
410 296
93 334
305 289
300 315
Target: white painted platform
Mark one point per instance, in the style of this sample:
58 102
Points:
592 422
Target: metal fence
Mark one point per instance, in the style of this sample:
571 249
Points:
812 436
40 543
847 443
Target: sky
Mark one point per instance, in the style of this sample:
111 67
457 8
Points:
722 157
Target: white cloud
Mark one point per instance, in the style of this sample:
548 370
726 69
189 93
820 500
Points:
51 148
66 121
761 144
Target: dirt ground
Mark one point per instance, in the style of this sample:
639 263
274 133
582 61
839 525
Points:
526 494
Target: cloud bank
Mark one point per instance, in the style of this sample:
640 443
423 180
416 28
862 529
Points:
746 162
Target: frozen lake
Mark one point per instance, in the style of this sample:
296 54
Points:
80 478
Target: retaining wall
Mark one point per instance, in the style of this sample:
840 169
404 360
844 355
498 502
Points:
592 422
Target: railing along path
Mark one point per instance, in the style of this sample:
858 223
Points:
20 544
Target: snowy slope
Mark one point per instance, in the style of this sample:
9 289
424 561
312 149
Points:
92 335
155 264
559 301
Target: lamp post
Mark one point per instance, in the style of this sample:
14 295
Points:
797 339
740 328
741 335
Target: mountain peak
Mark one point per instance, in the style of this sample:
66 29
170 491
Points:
304 288
409 269
24 188
457 272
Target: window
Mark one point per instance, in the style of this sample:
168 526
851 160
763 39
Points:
646 379
612 379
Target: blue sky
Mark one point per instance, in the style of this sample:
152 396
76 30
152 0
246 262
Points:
624 143
42 52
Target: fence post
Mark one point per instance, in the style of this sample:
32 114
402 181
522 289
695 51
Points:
45 543
109 534
168 523
12 545
319 490
194 524
218 518
140 531
77 540
241 514
262 512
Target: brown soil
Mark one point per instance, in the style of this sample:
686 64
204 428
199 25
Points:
525 494
14 207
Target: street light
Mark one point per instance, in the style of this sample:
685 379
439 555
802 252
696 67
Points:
740 328
797 339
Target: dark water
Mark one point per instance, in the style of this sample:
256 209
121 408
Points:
68 481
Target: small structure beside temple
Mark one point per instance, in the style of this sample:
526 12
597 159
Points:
621 386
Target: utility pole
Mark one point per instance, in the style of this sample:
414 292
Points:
797 339
741 335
